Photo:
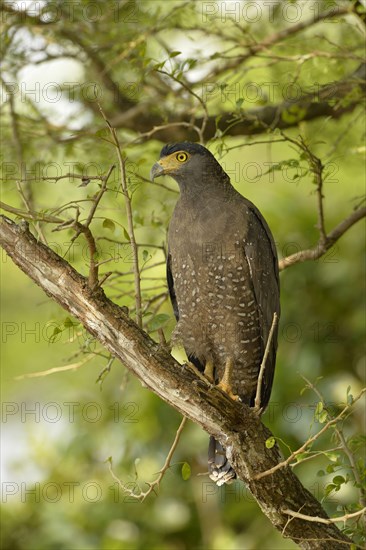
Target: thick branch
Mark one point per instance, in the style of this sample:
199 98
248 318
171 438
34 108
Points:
233 424
329 100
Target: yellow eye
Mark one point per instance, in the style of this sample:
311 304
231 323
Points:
181 157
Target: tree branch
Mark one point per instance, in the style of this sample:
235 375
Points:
322 520
258 393
324 242
129 214
235 425
329 100
283 34
311 440
154 485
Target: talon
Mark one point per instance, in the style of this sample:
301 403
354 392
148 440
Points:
208 372
258 410
228 390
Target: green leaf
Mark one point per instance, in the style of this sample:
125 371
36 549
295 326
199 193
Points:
158 321
339 480
158 66
103 134
320 413
186 471
138 219
69 323
293 114
270 442
319 408
301 456
329 488
323 417
109 224
174 54
145 255
127 237
332 456
56 331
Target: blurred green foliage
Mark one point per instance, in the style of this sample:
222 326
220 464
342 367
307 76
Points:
59 430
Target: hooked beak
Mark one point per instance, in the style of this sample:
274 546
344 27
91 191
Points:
156 171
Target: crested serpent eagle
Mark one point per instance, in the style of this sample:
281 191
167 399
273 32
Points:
222 273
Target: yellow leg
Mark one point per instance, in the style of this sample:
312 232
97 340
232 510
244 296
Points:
225 382
209 371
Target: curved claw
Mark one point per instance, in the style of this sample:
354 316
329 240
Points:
228 390
225 382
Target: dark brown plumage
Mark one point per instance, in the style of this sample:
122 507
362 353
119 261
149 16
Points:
222 273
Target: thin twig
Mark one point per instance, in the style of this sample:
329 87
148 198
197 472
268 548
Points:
55 179
344 447
321 248
162 338
155 484
317 169
155 129
317 519
197 97
54 370
257 402
39 216
257 142
99 196
353 465
310 440
275 38
85 230
27 196
131 230
157 184
105 371
314 454
126 243
105 277
93 264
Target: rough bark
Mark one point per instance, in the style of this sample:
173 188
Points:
233 424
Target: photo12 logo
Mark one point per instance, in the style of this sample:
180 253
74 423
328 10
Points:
264 10
69 411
